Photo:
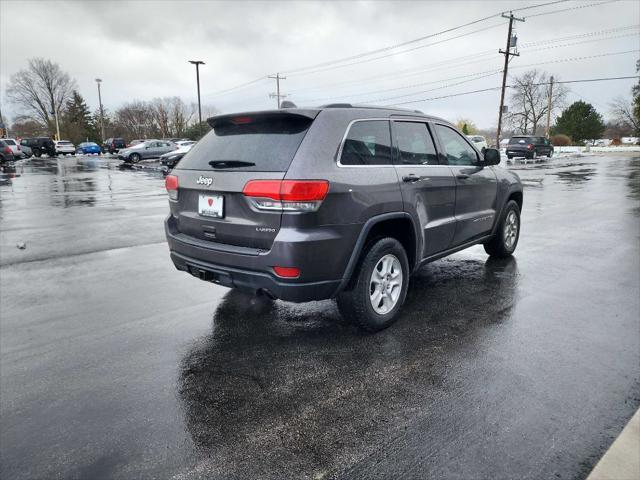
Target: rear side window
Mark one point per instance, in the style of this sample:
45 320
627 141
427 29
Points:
368 142
264 143
415 144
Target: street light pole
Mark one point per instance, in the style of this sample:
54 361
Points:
55 114
197 63
99 81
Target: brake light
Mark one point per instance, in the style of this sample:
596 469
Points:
171 184
530 146
287 272
7 150
241 120
287 195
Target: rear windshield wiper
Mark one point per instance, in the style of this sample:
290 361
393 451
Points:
230 164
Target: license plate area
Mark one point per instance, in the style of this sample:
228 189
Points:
211 205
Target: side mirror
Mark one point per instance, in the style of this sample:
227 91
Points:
491 156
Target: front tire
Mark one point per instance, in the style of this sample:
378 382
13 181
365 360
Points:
505 240
380 287
134 157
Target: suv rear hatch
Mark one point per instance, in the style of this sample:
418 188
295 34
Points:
211 204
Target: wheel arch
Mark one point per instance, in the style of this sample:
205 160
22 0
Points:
398 225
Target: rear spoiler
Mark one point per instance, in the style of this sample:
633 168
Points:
309 113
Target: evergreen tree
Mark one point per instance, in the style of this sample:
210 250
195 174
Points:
581 122
77 122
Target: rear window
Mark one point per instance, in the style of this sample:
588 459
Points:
9 142
522 140
264 143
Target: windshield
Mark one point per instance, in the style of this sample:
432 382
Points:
265 143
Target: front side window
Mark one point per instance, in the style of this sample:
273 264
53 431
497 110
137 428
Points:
456 148
368 143
415 144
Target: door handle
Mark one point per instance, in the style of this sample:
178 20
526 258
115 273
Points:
411 178
462 176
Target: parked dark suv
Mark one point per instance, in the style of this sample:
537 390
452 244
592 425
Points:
113 145
345 202
529 147
40 145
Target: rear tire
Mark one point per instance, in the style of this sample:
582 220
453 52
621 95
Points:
380 287
505 240
550 154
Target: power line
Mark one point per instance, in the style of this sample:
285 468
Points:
412 41
512 86
484 53
477 75
367 60
571 8
237 87
404 87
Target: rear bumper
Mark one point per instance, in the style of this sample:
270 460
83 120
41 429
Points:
321 254
255 282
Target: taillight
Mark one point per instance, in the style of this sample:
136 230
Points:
530 146
287 272
287 195
7 150
171 184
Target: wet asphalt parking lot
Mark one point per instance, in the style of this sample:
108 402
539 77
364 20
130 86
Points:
115 365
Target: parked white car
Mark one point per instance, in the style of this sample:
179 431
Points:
64 147
479 141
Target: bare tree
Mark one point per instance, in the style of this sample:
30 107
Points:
180 115
622 112
41 89
159 109
529 101
136 120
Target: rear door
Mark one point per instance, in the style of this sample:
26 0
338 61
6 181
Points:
213 174
476 186
428 188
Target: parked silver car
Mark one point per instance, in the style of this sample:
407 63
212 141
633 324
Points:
147 149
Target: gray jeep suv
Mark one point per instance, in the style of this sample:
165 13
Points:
335 202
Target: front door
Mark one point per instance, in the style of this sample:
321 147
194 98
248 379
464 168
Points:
476 186
428 188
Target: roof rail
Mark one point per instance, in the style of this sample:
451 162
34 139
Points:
375 107
337 105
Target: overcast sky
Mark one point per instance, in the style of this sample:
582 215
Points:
140 50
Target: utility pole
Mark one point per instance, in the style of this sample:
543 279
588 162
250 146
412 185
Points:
549 105
277 95
507 53
99 81
197 63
